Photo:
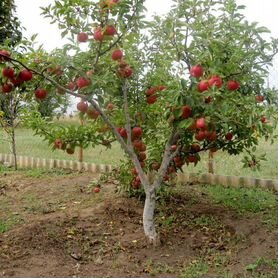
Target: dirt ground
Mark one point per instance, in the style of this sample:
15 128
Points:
60 227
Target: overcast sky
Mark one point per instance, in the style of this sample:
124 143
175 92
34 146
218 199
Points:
265 12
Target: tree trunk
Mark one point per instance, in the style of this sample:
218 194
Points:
148 218
13 143
81 150
210 163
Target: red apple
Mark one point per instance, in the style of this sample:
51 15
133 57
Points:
8 72
195 147
71 86
191 158
186 112
212 136
233 85
263 119
16 81
126 72
171 170
196 71
117 54
82 106
137 144
96 190
137 132
4 54
122 64
173 147
82 82
229 136
7 88
110 106
142 148
110 30
92 113
150 91
58 144
203 86
201 123
98 35
142 156
40 93
82 37
215 81
151 99
259 98
123 133
200 135
161 88
25 75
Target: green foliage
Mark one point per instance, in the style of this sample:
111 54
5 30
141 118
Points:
159 55
9 25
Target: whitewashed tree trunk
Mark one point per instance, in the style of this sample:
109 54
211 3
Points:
149 217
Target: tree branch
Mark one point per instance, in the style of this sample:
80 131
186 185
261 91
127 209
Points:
134 157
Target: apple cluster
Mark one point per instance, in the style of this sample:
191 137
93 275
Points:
59 144
214 81
100 33
140 149
13 79
152 93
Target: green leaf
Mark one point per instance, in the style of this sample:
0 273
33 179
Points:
186 123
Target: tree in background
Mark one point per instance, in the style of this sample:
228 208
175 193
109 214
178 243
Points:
10 34
166 90
9 24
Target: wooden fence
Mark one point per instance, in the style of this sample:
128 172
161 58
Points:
33 162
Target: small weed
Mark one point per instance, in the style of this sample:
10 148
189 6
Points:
37 173
9 223
263 268
206 221
196 269
4 169
165 221
154 268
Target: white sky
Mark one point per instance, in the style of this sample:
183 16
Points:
265 12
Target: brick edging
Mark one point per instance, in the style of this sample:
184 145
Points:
36 162
236 181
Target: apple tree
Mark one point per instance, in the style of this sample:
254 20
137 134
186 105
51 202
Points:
16 83
165 90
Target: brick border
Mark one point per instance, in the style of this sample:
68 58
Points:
236 181
35 162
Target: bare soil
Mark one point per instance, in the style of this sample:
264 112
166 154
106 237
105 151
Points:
61 228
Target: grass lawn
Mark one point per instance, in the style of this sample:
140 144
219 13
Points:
30 145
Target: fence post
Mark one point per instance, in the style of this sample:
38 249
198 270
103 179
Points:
210 162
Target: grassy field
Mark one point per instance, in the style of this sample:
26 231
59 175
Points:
28 144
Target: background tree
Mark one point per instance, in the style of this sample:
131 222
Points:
9 24
192 83
10 34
